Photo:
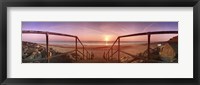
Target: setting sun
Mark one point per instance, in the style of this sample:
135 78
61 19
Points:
99 42
106 38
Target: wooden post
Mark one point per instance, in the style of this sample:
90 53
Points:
76 49
87 55
47 46
148 48
108 53
83 53
111 51
107 57
119 50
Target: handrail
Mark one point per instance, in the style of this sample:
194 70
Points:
44 32
156 32
60 34
111 49
137 34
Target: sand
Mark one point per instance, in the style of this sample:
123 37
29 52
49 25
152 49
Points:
99 50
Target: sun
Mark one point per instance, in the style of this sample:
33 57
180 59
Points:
106 38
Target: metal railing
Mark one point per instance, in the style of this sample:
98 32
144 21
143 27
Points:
110 52
85 53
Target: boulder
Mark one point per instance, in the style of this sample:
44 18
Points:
169 51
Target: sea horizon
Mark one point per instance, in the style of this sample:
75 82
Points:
91 42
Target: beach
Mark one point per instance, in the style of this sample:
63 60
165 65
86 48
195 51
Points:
100 51
126 52
92 42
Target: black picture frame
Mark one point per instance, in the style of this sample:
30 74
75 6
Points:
98 3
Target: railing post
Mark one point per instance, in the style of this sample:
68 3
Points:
109 55
83 53
76 49
87 55
148 48
119 50
111 51
106 57
47 46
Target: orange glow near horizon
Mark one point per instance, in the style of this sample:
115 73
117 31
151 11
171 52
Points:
107 38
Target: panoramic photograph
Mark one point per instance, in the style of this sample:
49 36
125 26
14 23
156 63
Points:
99 42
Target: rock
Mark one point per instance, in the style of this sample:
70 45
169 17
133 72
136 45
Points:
71 57
32 52
169 51
37 53
126 59
173 40
123 59
152 51
138 61
61 59
153 55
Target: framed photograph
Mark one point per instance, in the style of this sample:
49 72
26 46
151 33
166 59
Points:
131 42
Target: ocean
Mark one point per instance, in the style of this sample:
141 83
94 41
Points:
68 43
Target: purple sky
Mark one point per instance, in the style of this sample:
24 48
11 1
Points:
97 31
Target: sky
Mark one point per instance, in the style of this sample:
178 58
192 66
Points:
97 31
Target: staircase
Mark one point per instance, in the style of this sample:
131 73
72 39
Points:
111 52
